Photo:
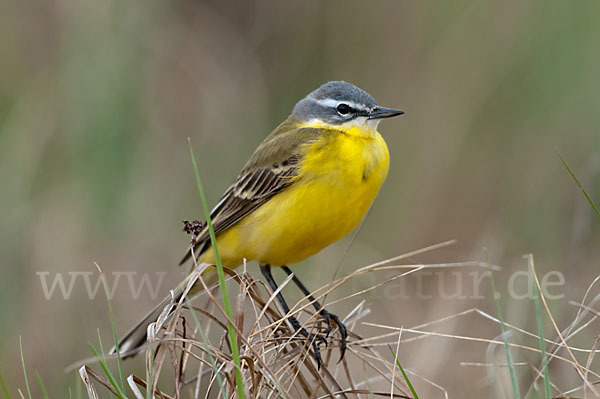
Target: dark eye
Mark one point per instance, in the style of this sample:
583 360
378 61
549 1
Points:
343 109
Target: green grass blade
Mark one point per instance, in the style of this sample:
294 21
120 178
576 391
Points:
4 387
239 382
576 180
100 342
24 369
412 390
102 350
107 372
42 386
509 359
538 316
114 327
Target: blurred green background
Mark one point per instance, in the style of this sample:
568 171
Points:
97 100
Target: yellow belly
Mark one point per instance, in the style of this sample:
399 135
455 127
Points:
339 178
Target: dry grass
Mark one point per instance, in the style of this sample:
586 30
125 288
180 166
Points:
276 362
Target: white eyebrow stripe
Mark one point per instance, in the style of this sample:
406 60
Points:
330 102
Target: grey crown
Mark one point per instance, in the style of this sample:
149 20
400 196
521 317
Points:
348 102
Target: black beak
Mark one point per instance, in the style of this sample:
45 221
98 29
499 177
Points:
383 112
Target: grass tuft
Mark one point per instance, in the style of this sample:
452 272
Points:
279 364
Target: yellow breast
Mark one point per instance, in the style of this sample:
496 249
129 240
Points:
339 177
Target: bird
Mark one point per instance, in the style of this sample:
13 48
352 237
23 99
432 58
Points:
307 185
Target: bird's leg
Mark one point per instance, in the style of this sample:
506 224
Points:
326 315
266 271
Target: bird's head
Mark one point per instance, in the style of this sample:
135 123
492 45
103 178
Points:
341 103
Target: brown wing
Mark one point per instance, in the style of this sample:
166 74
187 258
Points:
251 191
269 171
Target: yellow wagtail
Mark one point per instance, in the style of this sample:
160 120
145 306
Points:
307 185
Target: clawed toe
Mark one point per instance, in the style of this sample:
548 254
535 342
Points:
315 338
343 331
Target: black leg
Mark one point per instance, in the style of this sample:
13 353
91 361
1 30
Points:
266 271
326 315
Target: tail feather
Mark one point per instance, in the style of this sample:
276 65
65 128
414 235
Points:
134 340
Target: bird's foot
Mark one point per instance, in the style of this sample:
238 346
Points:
343 331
